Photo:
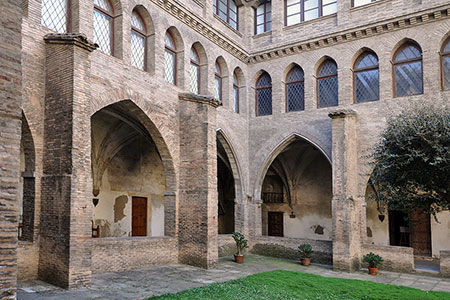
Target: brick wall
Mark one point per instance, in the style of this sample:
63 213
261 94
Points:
28 260
396 259
119 254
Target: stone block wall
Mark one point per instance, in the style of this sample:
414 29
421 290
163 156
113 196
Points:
28 261
227 245
396 259
119 254
445 263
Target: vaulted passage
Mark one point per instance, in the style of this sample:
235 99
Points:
128 176
226 191
296 193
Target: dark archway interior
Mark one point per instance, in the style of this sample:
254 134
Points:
226 191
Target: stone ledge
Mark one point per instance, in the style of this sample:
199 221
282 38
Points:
77 39
200 99
342 113
444 257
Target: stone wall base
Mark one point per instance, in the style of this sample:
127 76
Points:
396 259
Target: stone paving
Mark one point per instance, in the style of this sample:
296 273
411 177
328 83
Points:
143 283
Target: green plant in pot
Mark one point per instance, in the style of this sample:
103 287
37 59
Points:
305 251
241 244
374 261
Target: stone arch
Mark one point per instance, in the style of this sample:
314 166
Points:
223 78
241 77
358 53
321 60
288 69
198 47
402 42
257 75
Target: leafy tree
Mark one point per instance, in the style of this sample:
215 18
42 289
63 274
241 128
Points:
412 161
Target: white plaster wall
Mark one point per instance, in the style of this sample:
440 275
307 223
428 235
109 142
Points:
440 233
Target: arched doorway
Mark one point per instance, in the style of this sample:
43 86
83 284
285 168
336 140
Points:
226 191
296 192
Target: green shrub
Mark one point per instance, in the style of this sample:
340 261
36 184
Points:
305 250
241 242
373 260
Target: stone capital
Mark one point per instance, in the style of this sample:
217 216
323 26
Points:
76 39
200 99
342 113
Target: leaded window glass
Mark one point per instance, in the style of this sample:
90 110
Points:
327 84
217 82
408 71
54 15
295 89
298 11
138 41
170 59
356 3
366 78
264 95
235 93
103 23
445 56
227 11
195 72
263 18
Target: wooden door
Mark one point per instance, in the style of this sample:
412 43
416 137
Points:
139 217
421 233
275 222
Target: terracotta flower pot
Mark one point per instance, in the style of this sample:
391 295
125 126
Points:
305 261
373 271
239 258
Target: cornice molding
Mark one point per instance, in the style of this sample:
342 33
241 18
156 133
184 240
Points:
203 99
76 39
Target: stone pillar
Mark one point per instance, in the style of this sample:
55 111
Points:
66 207
198 196
346 204
10 120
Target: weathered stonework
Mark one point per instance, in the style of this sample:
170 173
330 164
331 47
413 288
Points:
445 263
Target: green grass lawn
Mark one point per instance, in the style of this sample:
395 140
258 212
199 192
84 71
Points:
295 285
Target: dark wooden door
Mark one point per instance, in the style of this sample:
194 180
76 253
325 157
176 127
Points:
421 233
139 217
275 222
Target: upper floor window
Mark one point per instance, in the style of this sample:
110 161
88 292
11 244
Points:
295 89
327 84
138 41
170 58
103 26
235 93
445 59
356 3
55 15
408 70
227 11
217 82
366 78
297 11
194 85
263 18
264 95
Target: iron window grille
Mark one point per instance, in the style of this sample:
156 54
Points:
356 3
103 26
408 71
138 42
55 15
366 78
227 10
218 82
170 59
264 95
298 11
295 89
445 65
272 197
235 93
263 18
195 72
327 84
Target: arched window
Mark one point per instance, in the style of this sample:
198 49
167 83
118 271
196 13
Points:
218 82
235 93
263 18
327 84
138 41
366 78
170 58
227 11
445 59
295 89
55 15
408 70
195 72
297 11
264 95
103 26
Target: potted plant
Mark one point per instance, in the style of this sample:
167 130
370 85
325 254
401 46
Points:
374 261
241 244
305 253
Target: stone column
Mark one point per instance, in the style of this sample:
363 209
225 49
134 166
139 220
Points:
198 181
66 207
346 204
10 120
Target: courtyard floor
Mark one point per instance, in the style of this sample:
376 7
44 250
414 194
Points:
143 283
